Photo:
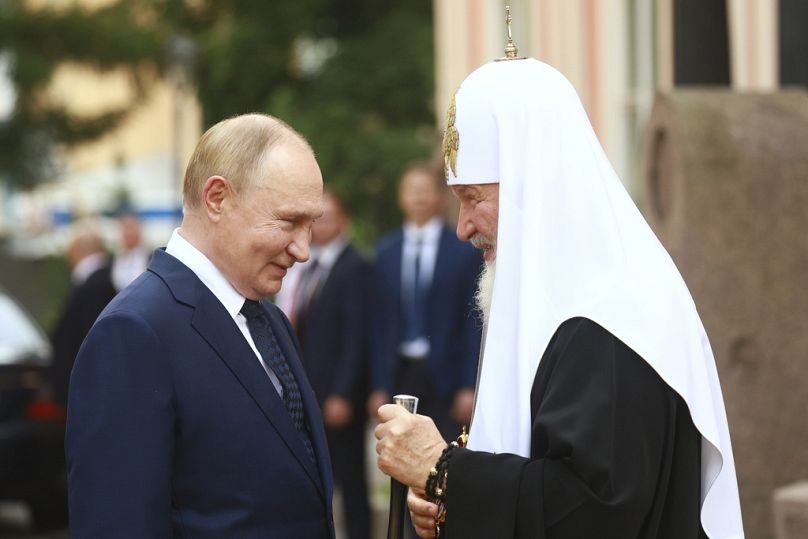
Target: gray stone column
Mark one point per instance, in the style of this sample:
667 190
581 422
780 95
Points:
726 190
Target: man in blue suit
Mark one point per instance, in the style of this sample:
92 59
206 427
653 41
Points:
426 337
189 413
331 323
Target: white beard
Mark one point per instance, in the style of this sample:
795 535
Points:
485 290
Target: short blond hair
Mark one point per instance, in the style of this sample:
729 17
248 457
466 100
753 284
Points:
235 149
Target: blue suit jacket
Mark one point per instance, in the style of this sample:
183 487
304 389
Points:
453 329
175 429
333 332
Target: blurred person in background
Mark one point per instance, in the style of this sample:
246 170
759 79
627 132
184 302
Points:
131 258
330 314
91 289
189 412
426 341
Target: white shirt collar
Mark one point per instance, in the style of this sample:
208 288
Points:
87 266
429 232
127 266
327 255
185 252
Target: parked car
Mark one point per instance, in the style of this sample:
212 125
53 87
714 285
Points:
32 426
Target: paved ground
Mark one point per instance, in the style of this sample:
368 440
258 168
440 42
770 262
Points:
15 520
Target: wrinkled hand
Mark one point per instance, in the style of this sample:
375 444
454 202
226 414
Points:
337 412
463 406
375 401
422 512
408 445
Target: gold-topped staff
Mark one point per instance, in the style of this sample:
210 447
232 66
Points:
511 50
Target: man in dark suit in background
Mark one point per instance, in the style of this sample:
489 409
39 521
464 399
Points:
331 322
189 412
91 290
426 341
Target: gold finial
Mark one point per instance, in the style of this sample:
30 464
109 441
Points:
463 439
511 50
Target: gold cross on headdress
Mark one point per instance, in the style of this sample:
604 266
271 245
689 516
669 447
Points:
508 20
511 50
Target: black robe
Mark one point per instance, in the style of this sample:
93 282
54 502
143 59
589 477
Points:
614 454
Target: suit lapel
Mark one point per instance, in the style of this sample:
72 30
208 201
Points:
324 286
289 350
219 330
442 261
215 326
334 272
397 260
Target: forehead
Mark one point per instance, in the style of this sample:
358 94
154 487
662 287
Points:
292 183
420 180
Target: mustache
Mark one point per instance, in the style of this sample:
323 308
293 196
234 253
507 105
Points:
479 241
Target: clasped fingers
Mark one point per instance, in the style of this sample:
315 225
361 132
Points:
423 513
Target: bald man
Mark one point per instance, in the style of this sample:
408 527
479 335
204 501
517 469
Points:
91 289
189 411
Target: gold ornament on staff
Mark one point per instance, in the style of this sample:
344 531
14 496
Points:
511 50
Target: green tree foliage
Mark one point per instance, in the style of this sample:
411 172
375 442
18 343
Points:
367 109
36 42
354 76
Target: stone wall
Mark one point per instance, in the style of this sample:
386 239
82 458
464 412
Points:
790 505
726 190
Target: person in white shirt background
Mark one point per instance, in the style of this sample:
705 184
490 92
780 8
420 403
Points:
132 258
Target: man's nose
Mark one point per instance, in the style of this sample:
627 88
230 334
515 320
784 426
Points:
465 228
299 248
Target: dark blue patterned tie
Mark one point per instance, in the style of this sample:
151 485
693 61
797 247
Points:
416 316
267 345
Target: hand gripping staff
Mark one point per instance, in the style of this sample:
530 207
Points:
398 491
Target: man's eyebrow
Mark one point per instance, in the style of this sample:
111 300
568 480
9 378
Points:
470 190
297 215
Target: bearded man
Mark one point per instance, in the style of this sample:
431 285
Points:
598 408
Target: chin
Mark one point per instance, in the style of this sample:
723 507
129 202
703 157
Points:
264 290
271 289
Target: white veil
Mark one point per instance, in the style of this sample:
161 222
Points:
572 243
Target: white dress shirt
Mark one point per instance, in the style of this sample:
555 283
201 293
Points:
286 296
289 298
233 301
325 256
127 266
428 236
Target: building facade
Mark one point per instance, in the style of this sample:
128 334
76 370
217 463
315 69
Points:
138 166
619 53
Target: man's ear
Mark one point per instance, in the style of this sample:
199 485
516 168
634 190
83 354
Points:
215 195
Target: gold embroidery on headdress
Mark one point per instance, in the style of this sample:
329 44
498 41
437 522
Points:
451 141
